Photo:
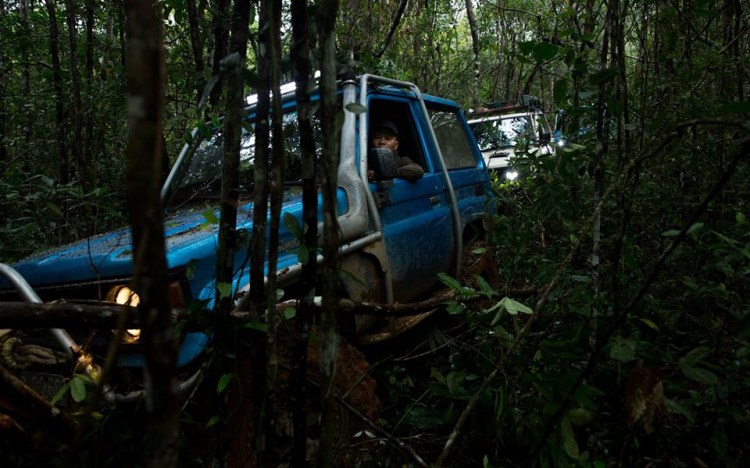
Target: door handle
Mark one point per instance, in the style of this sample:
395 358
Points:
434 200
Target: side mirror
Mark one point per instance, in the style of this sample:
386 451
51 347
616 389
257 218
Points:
545 137
383 163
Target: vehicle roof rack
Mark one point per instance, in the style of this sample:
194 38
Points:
526 103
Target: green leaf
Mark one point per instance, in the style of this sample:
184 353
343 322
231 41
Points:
353 277
422 418
522 59
262 327
694 229
356 108
740 217
561 92
204 129
450 282
60 393
225 289
675 407
622 350
569 439
670 233
293 225
210 216
77 389
213 421
484 286
544 51
303 254
290 313
223 382
455 308
698 374
566 13
55 209
567 32
650 323
580 416
526 47
581 278
514 307
435 374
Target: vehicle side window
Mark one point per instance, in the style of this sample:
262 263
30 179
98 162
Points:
400 114
452 138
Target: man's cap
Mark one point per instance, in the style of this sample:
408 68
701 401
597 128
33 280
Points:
387 125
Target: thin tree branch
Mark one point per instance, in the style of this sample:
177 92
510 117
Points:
394 27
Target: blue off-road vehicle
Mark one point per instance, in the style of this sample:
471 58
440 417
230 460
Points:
397 235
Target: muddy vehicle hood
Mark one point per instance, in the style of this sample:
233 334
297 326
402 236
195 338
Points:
188 235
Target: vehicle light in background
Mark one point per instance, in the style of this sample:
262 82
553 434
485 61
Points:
561 143
126 296
511 175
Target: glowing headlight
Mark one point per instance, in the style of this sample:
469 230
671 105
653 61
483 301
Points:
125 296
511 175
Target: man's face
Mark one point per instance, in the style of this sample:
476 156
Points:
384 138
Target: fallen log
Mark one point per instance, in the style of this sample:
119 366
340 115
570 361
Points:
28 315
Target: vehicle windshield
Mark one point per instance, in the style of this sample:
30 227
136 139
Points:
502 133
199 176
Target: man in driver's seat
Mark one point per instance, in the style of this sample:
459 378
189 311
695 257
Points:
385 135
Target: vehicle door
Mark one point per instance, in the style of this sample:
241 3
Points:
415 215
463 160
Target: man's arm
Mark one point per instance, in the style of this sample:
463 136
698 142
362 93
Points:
408 169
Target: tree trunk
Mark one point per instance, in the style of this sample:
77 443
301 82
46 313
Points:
260 213
300 56
26 82
62 162
276 192
602 117
121 28
89 113
197 48
230 183
221 39
146 76
326 21
475 47
76 90
4 71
